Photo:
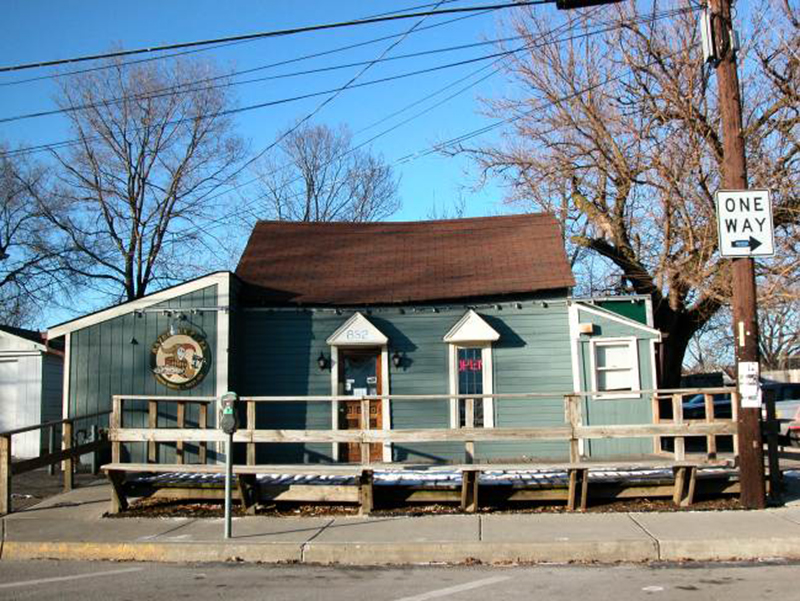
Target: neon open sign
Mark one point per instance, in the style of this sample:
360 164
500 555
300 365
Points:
470 364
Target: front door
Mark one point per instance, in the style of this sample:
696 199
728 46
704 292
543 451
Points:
359 375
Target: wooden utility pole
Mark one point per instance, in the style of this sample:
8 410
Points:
745 322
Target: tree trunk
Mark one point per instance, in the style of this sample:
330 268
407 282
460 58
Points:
676 334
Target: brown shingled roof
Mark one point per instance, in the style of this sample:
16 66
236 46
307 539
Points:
392 263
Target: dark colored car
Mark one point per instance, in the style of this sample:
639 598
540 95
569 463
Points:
695 407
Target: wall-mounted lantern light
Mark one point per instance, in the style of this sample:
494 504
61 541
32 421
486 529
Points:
322 362
397 360
175 324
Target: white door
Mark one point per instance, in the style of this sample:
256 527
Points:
8 395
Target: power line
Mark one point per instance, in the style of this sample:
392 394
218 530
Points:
269 34
185 89
266 104
216 47
462 137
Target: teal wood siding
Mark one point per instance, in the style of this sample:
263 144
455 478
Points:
277 356
105 361
417 336
611 411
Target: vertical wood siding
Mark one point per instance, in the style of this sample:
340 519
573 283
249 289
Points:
105 361
617 411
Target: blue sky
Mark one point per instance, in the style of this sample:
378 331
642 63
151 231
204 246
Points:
39 30
44 30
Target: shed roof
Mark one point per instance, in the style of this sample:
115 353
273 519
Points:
393 263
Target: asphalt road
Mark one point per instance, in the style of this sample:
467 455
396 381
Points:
135 582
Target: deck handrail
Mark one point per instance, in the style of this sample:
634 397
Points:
572 430
69 453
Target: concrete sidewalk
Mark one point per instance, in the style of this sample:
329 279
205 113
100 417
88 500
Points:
72 526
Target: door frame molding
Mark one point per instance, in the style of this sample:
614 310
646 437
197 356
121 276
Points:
386 418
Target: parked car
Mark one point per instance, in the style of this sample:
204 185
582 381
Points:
787 408
695 407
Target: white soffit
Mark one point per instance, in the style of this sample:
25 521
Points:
471 328
357 331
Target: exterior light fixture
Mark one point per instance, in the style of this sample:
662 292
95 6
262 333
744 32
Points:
173 326
322 362
397 360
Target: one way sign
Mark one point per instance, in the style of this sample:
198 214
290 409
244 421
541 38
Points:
744 223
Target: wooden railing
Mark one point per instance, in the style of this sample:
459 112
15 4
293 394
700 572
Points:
115 424
572 431
69 452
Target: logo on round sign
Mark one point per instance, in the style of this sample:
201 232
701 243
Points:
181 360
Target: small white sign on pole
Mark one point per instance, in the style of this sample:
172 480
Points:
744 223
749 389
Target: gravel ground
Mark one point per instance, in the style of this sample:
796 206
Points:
157 508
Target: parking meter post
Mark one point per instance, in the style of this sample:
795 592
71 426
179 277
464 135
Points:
228 484
228 424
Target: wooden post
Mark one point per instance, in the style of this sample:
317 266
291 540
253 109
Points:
366 492
656 403
115 421
181 417
677 418
745 319
251 425
5 474
469 422
152 423
69 462
248 486
364 446
119 500
735 403
51 448
573 403
711 440
470 480
203 446
680 484
95 432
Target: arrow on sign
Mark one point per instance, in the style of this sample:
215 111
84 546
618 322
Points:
752 243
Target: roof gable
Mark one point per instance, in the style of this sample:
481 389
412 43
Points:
351 264
24 338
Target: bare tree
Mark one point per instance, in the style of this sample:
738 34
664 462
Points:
29 249
155 149
619 136
315 174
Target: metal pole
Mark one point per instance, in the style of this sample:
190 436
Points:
228 482
745 322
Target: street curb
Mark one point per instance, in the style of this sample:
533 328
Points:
731 549
155 552
368 554
381 554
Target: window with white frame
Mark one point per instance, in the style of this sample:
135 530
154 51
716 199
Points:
615 367
469 367
470 352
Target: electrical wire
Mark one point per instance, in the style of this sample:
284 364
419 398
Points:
269 34
65 143
124 64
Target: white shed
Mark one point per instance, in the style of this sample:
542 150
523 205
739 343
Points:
31 379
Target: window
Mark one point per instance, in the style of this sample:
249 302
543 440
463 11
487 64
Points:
469 363
470 355
615 367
